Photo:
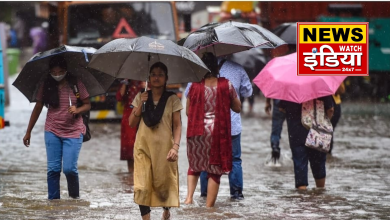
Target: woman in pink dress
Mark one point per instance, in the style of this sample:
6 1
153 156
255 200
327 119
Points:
126 94
209 146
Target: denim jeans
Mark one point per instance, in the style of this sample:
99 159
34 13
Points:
62 151
301 156
235 176
278 118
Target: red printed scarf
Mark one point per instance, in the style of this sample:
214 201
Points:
221 148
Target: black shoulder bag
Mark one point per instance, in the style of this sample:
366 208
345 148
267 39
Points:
85 115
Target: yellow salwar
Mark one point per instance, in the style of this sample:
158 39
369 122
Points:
156 180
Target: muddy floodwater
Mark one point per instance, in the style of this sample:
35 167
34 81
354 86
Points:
357 183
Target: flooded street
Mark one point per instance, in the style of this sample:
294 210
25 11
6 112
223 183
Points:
357 184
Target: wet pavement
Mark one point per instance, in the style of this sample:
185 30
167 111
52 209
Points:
357 184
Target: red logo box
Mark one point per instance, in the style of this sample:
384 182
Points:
332 48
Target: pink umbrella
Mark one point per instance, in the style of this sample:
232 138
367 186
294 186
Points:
279 80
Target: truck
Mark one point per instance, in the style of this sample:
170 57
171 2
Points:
242 11
93 24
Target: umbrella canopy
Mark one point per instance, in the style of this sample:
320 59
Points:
253 61
279 80
36 70
229 37
287 31
132 58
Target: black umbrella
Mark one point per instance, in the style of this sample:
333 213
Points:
229 37
252 60
36 70
132 58
287 31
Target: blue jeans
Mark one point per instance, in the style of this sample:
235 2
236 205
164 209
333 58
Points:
62 151
278 118
301 156
235 176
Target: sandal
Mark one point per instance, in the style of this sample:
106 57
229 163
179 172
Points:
166 217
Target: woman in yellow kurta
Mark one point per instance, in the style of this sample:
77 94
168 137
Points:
156 176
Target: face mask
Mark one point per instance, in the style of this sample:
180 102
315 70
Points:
58 78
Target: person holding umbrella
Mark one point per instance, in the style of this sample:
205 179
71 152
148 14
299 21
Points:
209 140
222 39
237 75
156 177
158 137
302 155
279 80
64 128
125 94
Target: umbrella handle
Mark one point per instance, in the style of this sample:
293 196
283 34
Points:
85 55
146 86
144 104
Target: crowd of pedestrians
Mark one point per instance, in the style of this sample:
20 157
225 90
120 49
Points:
151 127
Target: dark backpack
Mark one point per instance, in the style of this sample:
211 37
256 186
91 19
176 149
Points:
75 89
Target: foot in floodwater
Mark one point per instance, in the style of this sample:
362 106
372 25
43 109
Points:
273 162
237 196
188 201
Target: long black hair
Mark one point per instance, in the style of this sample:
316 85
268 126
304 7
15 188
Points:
211 62
50 88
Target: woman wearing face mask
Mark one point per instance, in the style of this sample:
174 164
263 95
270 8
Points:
64 127
156 177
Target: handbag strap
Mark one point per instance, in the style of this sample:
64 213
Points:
315 111
73 86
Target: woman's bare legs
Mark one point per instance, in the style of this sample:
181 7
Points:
192 181
320 183
212 192
146 217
